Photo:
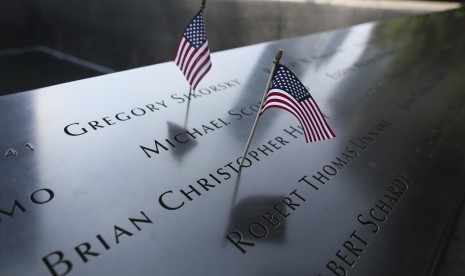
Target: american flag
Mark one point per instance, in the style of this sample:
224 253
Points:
288 93
193 55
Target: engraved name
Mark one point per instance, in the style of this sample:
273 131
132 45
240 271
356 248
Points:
38 197
80 128
352 249
244 239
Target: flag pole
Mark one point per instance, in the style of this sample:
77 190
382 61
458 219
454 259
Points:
202 7
275 62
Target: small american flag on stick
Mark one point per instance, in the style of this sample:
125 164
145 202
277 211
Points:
288 93
284 90
193 54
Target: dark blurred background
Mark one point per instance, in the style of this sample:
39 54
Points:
46 42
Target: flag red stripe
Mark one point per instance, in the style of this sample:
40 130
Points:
187 66
276 104
189 51
182 52
204 73
199 68
323 120
278 99
312 120
309 126
202 53
319 119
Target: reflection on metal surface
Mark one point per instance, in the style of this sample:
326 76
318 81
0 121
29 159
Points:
376 200
393 5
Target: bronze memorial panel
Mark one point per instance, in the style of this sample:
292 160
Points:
124 175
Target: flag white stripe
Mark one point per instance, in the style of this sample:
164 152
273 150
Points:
297 108
303 114
194 65
199 75
294 111
186 58
316 118
322 119
319 119
178 53
313 114
184 49
193 71
290 110
312 120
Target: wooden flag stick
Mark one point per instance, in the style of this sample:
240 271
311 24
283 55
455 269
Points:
202 5
275 62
